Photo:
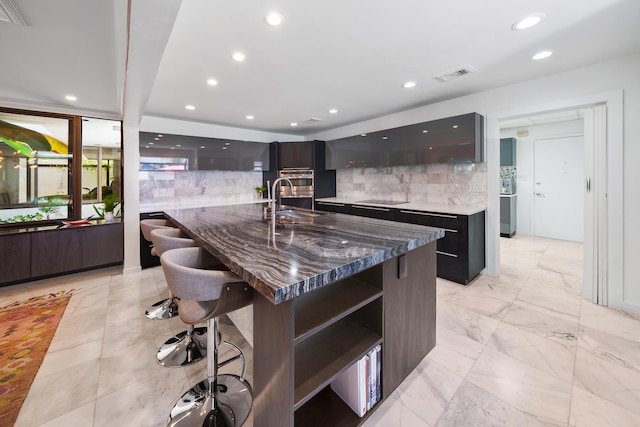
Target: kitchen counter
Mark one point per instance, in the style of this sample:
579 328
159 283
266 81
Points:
303 256
416 206
328 289
176 204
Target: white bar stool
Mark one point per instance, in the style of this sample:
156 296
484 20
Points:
205 294
166 308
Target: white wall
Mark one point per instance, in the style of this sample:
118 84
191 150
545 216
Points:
556 91
524 163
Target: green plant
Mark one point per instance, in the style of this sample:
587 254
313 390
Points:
110 203
261 190
52 207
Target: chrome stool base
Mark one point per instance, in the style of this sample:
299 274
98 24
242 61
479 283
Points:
165 309
184 349
233 400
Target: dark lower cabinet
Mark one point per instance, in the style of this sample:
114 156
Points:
43 253
56 251
16 252
102 245
461 252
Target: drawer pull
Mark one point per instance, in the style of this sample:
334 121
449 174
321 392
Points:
429 214
447 254
330 204
370 208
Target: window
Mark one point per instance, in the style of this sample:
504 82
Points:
37 164
101 162
35 167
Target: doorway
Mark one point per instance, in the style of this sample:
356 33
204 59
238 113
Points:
606 136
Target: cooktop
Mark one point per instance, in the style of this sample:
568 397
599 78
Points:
381 202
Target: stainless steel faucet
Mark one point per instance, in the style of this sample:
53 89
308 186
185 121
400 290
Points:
274 201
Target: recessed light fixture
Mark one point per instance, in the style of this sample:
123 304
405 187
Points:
274 19
224 148
178 145
425 131
173 148
528 21
202 146
190 107
293 124
227 143
455 126
385 137
212 82
249 117
409 85
239 56
542 55
70 98
363 134
151 143
333 111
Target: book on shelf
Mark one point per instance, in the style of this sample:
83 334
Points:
359 386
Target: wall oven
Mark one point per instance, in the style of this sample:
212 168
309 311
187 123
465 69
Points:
302 180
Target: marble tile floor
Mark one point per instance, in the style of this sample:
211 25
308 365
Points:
522 349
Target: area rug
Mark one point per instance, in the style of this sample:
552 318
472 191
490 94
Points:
26 330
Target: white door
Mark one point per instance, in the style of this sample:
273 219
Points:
558 201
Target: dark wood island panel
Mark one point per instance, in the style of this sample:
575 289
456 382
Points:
326 292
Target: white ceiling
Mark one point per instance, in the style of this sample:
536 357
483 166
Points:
351 55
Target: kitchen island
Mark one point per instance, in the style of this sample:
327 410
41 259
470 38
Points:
328 288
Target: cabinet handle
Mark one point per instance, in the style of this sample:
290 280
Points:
447 254
430 214
370 208
330 204
588 184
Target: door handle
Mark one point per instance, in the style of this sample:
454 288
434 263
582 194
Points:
540 194
588 184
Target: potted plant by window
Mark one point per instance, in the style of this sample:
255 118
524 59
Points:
110 203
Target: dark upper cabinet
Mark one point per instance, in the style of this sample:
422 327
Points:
452 139
507 152
189 153
296 155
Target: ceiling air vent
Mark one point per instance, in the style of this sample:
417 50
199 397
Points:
450 75
310 120
9 12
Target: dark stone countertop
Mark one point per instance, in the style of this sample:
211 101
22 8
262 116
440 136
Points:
304 255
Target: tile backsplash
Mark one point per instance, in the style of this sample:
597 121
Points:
198 188
460 184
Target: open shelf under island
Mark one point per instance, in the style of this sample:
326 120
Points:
328 289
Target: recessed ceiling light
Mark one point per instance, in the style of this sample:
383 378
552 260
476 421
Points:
385 137
409 85
151 143
293 124
363 134
190 107
238 56
274 19
173 148
212 82
333 111
227 143
202 146
224 148
178 145
455 126
425 131
542 55
528 22
71 98
250 117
